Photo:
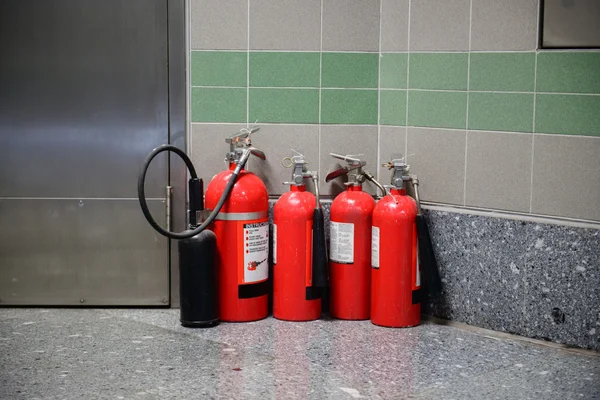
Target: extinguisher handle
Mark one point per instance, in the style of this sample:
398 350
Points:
258 153
334 174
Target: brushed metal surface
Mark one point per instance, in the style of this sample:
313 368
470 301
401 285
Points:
59 252
83 97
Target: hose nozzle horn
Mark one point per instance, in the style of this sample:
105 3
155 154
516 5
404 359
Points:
240 147
355 171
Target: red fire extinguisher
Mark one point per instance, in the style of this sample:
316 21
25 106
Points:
242 233
350 243
299 252
396 280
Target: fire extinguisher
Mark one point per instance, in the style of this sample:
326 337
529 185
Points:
200 249
242 231
401 248
299 250
350 242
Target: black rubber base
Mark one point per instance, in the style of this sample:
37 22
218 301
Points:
200 324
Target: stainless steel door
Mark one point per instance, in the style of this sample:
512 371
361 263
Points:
83 98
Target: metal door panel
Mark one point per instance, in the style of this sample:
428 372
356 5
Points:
89 252
83 96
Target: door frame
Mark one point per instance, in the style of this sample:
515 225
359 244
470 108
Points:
177 12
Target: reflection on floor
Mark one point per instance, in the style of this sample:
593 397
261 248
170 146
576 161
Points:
145 354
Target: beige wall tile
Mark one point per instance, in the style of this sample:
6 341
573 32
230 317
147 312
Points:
498 170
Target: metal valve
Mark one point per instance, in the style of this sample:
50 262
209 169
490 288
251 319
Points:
240 146
298 162
355 171
400 173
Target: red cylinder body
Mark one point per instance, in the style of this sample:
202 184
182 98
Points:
350 254
395 277
242 230
292 256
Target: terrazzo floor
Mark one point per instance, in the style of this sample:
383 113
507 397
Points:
146 354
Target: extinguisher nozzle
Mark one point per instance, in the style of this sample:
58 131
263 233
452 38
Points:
432 282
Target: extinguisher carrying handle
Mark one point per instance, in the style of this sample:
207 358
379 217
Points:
258 153
432 281
337 173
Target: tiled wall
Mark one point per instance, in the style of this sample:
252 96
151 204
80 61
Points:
487 121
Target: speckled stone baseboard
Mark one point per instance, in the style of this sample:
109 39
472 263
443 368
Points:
532 279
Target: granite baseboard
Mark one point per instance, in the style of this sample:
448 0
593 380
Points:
532 279
536 280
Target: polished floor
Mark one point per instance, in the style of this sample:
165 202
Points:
145 354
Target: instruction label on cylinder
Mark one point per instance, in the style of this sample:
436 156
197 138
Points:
375 247
341 244
256 251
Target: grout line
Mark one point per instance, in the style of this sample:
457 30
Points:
569 94
467 111
403 126
498 131
188 84
379 93
407 83
513 215
548 50
495 213
498 335
82 198
531 174
320 94
248 69
533 132
394 89
537 26
284 87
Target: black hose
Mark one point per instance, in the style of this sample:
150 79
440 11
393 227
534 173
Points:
190 167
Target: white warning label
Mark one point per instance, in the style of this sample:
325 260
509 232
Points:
375 247
256 251
274 244
341 244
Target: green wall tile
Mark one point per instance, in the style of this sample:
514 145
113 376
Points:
218 105
392 107
568 72
218 68
393 70
349 106
437 109
567 114
284 69
502 71
284 105
511 112
350 70
438 71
